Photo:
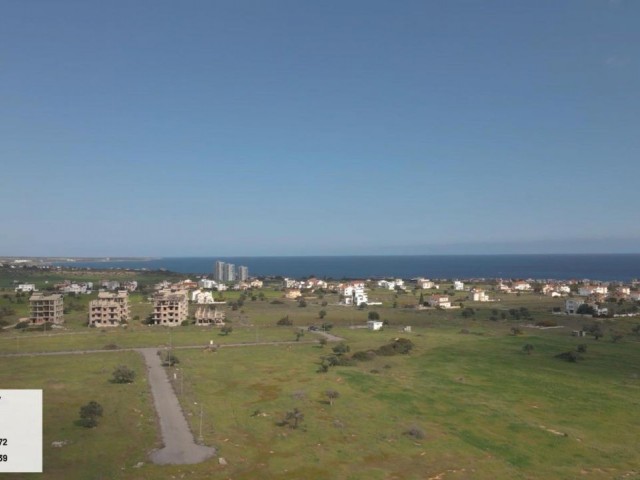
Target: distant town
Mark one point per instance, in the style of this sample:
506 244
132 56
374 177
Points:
171 300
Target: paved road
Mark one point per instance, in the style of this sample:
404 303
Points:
179 446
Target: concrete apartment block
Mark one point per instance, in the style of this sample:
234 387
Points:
170 307
109 309
46 308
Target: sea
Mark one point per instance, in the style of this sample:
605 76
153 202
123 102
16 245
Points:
604 267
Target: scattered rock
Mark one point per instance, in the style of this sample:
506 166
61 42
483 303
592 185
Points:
59 444
138 465
222 461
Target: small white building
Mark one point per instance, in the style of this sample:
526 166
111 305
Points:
26 287
201 297
207 284
425 284
458 286
76 288
522 286
314 284
374 325
588 290
290 283
477 295
111 285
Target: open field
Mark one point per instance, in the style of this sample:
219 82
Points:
487 410
126 432
478 405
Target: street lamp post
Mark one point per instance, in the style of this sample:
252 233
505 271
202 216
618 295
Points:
200 439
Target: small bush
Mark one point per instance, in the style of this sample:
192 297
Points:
363 356
582 348
89 414
284 322
571 357
415 432
110 346
168 359
123 374
397 346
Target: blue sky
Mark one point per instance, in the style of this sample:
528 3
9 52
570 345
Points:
191 128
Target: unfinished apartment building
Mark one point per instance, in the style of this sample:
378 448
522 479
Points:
46 308
170 307
209 315
110 309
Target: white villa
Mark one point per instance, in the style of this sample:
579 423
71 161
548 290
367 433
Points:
391 284
522 286
201 297
425 284
588 290
439 301
477 295
26 287
353 294
207 284
458 285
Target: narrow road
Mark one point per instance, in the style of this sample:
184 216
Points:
179 446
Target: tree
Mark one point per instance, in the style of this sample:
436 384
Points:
341 348
89 414
373 315
226 330
292 419
332 395
468 312
322 314
302 303
528 348
585 309
123 374
326 326
284 321
322 342
299 335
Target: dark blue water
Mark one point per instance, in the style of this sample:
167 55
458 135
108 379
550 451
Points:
622 267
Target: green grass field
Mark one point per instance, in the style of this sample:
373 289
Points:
487 410
480 406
